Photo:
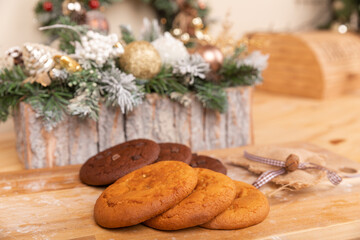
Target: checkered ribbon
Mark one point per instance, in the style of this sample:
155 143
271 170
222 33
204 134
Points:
265 177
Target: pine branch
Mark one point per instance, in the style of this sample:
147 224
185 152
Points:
243 75
234 75
126 34
165 83
212 96
48 18
85 103
48 102
120 89
85 100
86 76
50 107
237 53
11 90
67 35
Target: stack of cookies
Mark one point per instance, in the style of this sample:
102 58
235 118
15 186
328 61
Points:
167 187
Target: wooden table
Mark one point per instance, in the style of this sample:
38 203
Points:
52 203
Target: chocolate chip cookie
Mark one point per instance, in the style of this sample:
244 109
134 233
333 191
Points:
111 164
201 161
174 152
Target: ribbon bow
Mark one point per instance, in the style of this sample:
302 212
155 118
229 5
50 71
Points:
291 164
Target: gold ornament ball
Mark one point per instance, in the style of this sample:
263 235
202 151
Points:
141 59
211 55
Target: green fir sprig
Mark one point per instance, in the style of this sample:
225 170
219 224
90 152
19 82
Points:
126 34
234 74
211 95
11 90
164 83
67 32
48 102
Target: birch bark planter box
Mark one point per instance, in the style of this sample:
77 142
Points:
74 140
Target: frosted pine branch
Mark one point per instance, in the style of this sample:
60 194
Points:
191 67
85 104
120 89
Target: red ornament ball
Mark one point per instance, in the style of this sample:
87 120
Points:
94 4
48 6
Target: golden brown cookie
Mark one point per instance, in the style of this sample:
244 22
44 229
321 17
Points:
213 194
144 193
250 207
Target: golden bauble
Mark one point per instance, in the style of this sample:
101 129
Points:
211 55
141 59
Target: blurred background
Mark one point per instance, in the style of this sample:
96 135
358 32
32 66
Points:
19 23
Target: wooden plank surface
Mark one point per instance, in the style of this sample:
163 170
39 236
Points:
333 124
53 204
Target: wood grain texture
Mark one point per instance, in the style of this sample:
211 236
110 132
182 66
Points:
158 118
333 123
53 204
320 64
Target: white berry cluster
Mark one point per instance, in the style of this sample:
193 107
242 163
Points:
98 48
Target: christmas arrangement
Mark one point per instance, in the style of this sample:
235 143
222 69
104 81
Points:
91 67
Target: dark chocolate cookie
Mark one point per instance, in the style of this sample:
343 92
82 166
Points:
174 152
109 165
201 161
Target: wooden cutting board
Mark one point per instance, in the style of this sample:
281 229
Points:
53 204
